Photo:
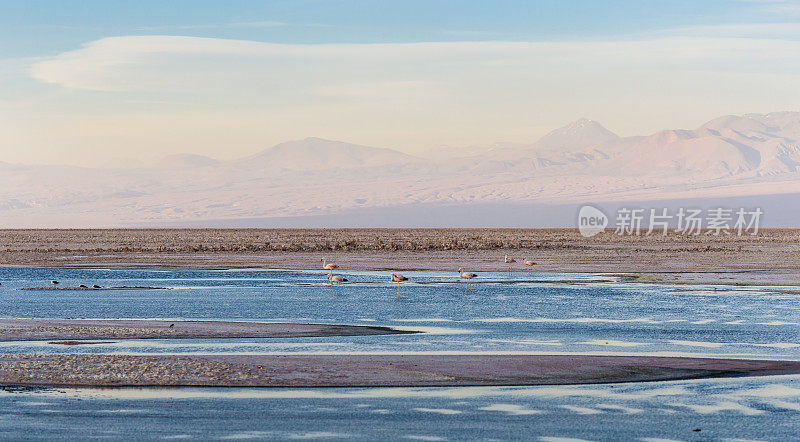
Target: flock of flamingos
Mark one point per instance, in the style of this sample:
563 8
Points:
398 278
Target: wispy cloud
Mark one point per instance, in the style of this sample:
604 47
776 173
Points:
249 24
165 63
778 6
463 33
784 30
405 95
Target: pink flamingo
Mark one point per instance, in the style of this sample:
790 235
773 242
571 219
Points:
398 279
336 279
467 275
528 262
327 266
509 261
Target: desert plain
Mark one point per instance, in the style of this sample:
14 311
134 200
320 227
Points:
771 256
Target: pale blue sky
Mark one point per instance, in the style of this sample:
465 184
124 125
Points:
41 27
370 71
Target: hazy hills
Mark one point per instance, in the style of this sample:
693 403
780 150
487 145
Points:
750 145
319 154
581 162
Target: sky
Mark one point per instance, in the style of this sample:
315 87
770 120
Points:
98 82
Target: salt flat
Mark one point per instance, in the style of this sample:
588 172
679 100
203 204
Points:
771 257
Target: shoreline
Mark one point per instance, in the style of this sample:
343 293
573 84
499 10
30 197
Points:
770 258
744 278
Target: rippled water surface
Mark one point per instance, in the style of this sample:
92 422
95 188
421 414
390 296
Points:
501 313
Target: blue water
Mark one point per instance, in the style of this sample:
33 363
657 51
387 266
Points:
522 313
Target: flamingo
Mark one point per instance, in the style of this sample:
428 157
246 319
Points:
467 275
528 262
398 279
327 266
336 279
509 261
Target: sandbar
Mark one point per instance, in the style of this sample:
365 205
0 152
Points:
89 370
46 329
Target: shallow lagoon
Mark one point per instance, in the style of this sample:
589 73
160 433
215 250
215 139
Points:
524 312
765 408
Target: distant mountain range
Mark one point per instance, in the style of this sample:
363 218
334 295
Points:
316 154
751 145
754 154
